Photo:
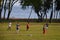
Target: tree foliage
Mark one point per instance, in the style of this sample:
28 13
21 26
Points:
57 4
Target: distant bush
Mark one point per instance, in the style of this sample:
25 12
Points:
26 20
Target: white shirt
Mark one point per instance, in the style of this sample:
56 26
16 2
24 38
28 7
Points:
10 24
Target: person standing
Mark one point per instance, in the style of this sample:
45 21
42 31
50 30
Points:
45 27
9 25
17 27
27 26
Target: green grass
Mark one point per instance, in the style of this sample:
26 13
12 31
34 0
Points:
35 30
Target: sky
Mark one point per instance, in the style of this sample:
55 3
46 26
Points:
18 12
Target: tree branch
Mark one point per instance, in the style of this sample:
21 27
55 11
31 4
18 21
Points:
14 2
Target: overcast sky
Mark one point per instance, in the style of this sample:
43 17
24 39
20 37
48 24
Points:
18 12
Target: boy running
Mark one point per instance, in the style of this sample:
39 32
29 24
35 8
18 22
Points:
27 26
9 25
17 27
45 27
44 30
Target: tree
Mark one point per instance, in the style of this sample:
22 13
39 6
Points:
57 6
46 6
29 15
51 15
5 8
36 5
1 7
10 6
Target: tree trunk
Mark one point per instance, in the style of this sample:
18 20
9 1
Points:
51 16
8 14
46 17
9 10
0 14
5 9
39 17
29 15
1 7
54 14
57 15
11 3
4 13
45 14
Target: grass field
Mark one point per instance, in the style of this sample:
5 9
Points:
34 33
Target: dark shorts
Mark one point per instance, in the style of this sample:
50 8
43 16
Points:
17 28
9 27
27 27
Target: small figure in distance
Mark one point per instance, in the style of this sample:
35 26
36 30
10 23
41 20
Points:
45 27
27 26
9 25
17 27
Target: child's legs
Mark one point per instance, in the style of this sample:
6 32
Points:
9 28
17 30
44 31
27 28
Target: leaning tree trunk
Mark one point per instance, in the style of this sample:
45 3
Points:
54 14
51 16
0 14
8 14
45 14
5 9
46 17
39 17
11 3
1 8
29 15
57 15
4 13
9 10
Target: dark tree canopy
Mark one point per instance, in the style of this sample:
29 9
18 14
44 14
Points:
57 4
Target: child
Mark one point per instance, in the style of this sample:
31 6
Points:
27 26
9 25
17 27
45 27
